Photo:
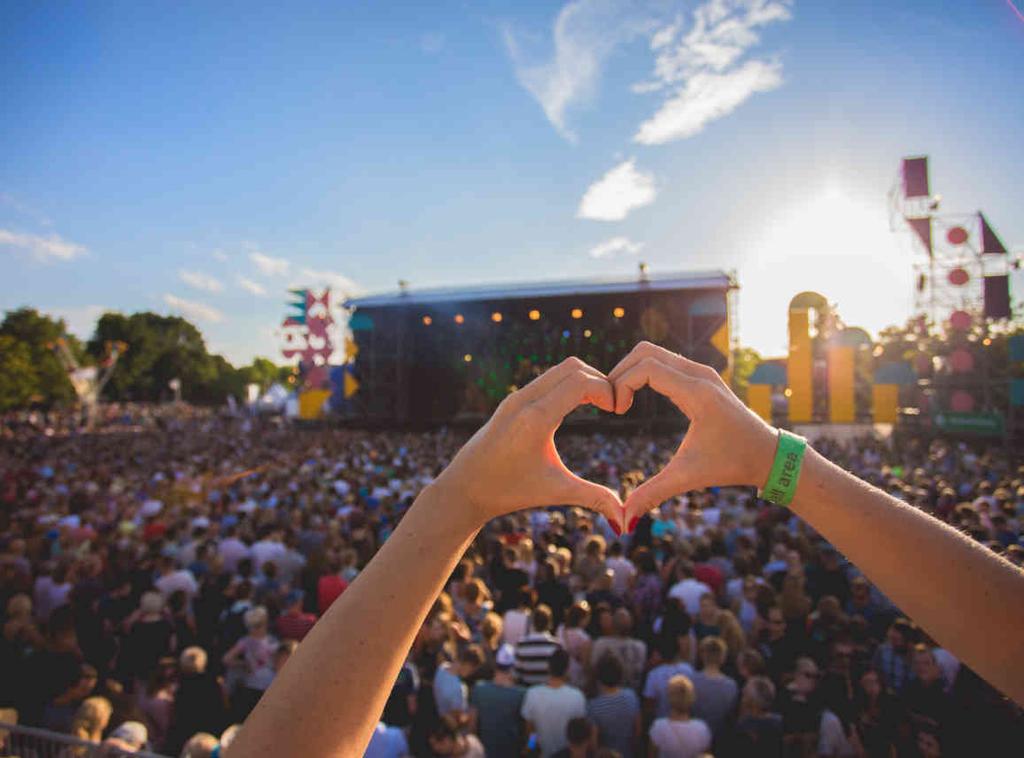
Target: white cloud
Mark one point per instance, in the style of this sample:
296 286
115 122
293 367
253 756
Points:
268 265
44 249
340 283
219 255
706 97
200 281
192 310
615 246
614 195
252 287
701 70
585 34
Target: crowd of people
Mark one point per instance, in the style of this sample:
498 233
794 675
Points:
157 573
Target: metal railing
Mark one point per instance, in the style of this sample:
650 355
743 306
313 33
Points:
28 742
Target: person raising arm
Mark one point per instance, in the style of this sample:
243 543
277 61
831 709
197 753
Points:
329 697
963 595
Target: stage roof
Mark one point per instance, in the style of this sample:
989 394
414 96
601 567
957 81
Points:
679 280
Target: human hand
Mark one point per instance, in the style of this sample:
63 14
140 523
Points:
512 463
727 444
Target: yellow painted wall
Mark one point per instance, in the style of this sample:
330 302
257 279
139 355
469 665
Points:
885 399
800 367
759 398
840 385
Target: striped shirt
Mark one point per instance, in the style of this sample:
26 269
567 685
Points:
532 654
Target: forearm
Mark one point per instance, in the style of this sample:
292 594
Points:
327 699
962 594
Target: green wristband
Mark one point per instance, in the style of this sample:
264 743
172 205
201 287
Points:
785 473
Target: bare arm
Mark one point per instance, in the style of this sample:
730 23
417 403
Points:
967 597
328 698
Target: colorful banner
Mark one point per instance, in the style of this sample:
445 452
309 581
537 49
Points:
800 367
840 385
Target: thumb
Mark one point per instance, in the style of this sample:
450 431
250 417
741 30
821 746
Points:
675 479
597 498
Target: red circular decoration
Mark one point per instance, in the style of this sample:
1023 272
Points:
958 277
961 402
960 320
961 360
957 235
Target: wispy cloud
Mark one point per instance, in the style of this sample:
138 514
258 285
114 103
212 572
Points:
341 284
200 281
12 202
617 193
701 71
219 255
585 34
46 249
251 287
192 310
432 43
615 246
269 265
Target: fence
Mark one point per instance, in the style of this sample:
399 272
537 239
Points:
29 742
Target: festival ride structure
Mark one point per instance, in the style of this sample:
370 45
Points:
88 381
444 355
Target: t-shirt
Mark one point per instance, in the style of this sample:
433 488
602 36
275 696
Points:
615 716
498 708
623 572
449 691
515 626
689 592
387 742
656 688
181 579
715 700
632 653
532 654
550 709
680 739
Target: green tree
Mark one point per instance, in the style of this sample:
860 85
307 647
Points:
38 333
18 378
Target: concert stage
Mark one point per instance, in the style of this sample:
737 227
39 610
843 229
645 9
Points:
449 355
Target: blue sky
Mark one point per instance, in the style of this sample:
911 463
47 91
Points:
200 158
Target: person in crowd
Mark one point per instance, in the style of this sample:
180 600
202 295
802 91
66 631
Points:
294 623
622 568
150 637
615 711
758 730
581 736
548 708
91 719
199 701
447 738
716 693
875 717
253 657
656 702
892 657
495 708
631 652
808 725
688 588
577 643
679 735
534 651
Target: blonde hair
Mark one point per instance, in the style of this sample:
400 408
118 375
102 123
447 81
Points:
91 718
193 660
199 745
256 618
151 602
491 627
680 694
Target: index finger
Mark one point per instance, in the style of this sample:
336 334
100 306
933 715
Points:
576 389
644 350
553 377
678 387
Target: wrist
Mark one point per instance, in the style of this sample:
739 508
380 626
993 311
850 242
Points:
766 443
447 502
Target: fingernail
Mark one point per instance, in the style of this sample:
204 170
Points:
615 528
632 524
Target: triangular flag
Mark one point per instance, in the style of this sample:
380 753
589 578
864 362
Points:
351 386
720 339
923 229
990 242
